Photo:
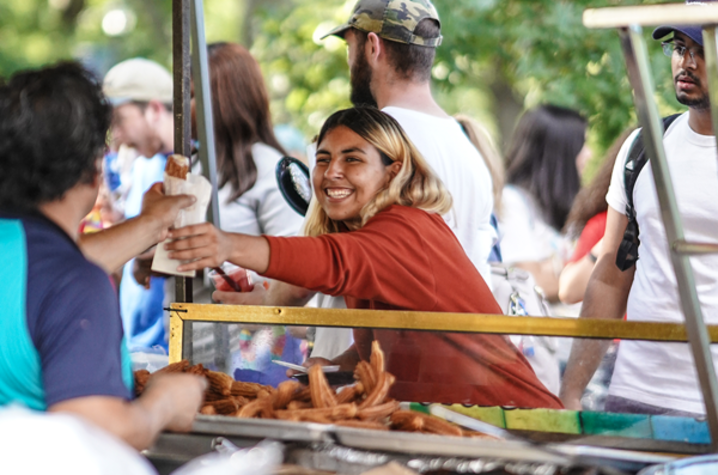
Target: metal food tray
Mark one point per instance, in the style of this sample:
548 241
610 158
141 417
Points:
476 448
263 429
418 444
445 446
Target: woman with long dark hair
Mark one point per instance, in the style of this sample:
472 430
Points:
249 198
542 175
247 150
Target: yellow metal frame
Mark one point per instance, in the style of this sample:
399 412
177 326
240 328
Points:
428 321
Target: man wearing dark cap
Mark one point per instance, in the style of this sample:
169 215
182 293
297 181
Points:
651 377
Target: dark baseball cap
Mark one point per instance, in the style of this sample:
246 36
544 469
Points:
393 20
694 32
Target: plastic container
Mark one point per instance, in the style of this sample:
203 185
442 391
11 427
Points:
238 274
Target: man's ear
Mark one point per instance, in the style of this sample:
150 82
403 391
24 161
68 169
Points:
374 48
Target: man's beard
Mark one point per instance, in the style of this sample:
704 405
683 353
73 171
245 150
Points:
702 102
361 83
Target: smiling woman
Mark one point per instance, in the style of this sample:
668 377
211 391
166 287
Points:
377 238
355 177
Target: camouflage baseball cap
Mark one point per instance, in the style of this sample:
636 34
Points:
393 20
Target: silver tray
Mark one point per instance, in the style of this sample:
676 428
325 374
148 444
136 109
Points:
418 445
263 429
446 446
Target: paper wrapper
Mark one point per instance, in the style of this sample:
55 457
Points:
200 188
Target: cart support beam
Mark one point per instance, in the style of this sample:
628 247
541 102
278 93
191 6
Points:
182 131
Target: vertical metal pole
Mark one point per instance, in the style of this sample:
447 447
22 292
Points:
710 50
634 49
182 129
207 150
203 106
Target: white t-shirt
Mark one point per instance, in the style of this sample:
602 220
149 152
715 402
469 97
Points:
261 209
460 166
525 235
663 374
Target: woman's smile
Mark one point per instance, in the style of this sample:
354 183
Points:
338 194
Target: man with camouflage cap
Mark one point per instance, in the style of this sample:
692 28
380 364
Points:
392 45
391 52
394 20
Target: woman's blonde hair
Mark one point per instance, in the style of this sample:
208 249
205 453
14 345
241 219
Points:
415 184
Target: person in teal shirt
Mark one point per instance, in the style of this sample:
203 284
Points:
62 346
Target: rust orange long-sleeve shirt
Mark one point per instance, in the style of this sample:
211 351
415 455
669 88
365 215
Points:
407 259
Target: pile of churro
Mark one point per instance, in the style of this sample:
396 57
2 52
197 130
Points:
365 404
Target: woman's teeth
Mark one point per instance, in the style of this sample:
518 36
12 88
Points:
338 193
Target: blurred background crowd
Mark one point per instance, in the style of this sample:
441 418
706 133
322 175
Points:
540 96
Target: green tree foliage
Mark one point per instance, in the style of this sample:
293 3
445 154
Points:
498 57
36 32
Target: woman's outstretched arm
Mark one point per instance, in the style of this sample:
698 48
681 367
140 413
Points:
207 246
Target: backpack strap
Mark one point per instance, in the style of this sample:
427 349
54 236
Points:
635 161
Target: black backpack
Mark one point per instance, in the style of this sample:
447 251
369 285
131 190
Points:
628 250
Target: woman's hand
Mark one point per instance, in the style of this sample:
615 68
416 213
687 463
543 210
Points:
202 244
206 246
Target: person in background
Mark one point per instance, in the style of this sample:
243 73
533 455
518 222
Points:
249 198
141 92
485 144
506 283
62 347
545 156
247 150
481 139
654 377
586 222
377 238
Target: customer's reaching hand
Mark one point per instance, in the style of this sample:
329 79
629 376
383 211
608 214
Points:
162 210
182 396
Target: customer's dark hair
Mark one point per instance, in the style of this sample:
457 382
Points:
410 61
541 159
53 127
